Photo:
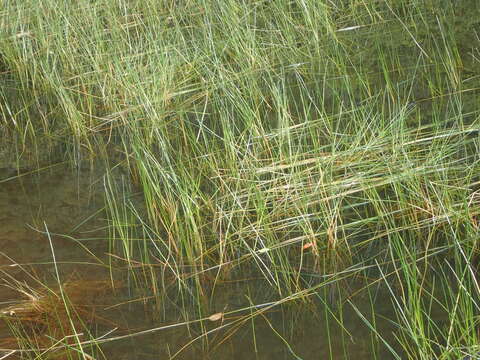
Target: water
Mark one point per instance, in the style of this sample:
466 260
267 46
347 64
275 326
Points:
70 206
53 229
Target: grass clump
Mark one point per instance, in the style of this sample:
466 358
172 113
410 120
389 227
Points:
53 322
304 140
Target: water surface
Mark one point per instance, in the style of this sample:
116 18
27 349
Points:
69 205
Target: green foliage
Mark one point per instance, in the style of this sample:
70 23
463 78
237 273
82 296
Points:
302 139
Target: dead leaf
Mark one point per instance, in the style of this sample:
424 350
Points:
216 317
307 245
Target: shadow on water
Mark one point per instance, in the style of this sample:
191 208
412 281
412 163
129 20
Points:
240 317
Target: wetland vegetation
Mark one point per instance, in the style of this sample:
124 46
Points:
291 179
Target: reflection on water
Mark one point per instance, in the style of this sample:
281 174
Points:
71 208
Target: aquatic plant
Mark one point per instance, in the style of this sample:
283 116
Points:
316 145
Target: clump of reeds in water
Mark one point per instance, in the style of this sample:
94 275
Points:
52 320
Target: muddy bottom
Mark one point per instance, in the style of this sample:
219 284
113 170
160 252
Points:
54 233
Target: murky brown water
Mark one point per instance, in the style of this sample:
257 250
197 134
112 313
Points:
70 206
